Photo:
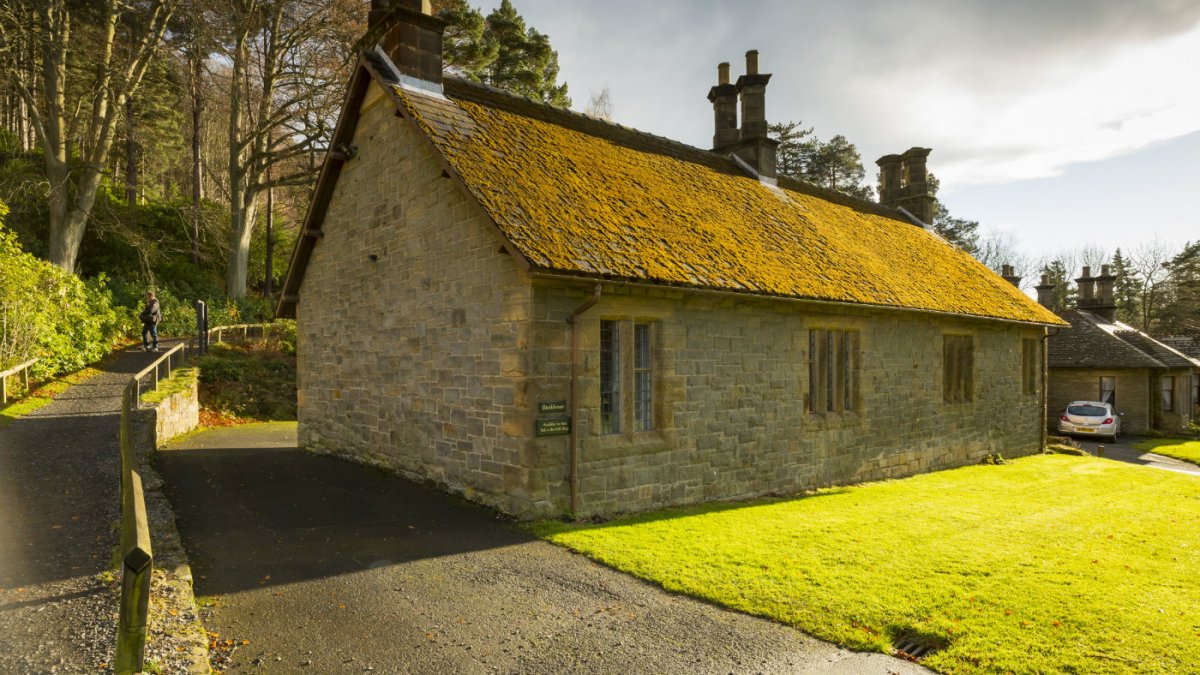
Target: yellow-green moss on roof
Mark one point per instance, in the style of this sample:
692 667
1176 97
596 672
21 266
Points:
581 196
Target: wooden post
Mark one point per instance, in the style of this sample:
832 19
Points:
135 579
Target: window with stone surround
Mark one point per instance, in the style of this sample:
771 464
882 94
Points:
832 371
626 376
610 377
1029 366
1108 389
958 368
1168 393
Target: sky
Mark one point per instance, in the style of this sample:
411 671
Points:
1055 123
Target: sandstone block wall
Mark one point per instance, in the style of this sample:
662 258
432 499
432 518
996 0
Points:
731 378
415 360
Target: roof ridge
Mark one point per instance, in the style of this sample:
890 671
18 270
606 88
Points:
804 187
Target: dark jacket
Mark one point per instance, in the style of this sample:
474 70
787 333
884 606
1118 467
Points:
150 313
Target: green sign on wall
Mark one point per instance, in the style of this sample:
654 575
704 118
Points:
554 426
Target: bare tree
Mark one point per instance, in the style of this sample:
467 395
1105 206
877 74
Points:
600 105
1150 262
289 61
74 108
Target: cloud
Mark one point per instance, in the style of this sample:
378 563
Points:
1002 91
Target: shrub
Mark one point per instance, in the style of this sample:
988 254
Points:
50 314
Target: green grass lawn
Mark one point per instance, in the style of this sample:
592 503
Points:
1180 448
1048 564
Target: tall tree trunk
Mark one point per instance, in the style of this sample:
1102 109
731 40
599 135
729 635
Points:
197 187
269 281
130 154
239 225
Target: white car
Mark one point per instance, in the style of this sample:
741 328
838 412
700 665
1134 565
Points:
1090 418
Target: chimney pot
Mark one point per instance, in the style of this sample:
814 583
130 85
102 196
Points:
752 62
904 183
723 73
1009 275
1045 293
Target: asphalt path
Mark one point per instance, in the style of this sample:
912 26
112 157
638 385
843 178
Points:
307 563
59 478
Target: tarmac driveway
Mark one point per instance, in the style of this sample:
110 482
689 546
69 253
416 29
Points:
1123 451
314 564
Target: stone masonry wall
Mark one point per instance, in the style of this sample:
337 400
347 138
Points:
415 360
1083 384
730 381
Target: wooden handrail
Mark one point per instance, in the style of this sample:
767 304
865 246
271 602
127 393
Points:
22 368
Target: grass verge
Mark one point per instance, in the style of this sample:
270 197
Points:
41 396
1186 449
1052 563
181 380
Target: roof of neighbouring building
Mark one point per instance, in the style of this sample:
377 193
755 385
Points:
583 197
1184 344
1094 342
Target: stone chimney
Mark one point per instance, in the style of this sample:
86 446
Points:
1087 289
750 143
411 36
904 183
1045 291
1006 273
1104 304
724 98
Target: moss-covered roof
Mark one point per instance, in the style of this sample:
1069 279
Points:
582 196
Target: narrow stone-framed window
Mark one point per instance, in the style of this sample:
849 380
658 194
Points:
643 378
958 366
1108 389
1168 393
1029 366
610 377
832 359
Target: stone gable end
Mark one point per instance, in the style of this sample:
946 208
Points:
412 326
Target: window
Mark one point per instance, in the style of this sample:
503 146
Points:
831 370
643 416
1108 390
626 376
1168 393
1029 366
610 377
958 364
1196 390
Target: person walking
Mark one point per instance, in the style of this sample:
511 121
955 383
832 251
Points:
150 317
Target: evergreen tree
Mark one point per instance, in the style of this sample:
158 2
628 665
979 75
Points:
795 148
1126 293
467 48
961 232
838 166
1180 310
525 62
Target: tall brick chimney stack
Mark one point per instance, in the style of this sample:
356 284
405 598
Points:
724 98
1087 289
411 36
750 143
1045 291
1104 304
1007 273
904 183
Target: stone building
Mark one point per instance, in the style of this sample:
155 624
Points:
1098 358
554 314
